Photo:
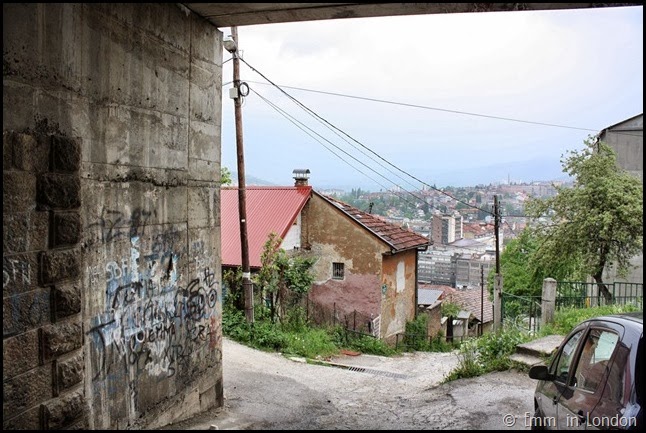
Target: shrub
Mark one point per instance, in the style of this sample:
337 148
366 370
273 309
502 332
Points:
416 336
487 353
310 343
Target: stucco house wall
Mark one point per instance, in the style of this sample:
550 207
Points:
399 287
331 237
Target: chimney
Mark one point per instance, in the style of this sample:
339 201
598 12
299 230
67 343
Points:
301 176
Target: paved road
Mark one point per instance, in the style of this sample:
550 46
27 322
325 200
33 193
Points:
268 391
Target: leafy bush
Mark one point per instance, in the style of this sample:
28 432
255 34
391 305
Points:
371 345
310 343
487 353
416 336
468 365
267 335
360 343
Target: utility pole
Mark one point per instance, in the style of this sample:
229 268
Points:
242 191
497 289
481 298
496 227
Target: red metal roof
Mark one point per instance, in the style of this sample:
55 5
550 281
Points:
398 238
269 209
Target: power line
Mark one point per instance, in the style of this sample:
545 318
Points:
425 107
298 124
356 141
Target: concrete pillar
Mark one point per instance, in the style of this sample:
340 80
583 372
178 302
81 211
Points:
548 301
497 302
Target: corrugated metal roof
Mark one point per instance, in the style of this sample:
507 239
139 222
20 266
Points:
398 238
269 209
428 296
470 301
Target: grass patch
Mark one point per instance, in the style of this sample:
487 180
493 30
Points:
487 353
567 318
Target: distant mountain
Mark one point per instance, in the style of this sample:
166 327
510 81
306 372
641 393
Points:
250 180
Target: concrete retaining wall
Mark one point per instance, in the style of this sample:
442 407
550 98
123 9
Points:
111 258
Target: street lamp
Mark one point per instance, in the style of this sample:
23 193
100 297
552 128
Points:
230 44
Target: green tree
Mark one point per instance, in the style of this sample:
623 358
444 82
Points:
598 221
284 279
225 176
523 275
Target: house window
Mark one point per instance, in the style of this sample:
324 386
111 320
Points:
337 271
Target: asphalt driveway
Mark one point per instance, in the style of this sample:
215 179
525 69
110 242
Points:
268 391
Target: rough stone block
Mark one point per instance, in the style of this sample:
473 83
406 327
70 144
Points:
60 338
18 191
19 354
27 390
38 231
69 372
59 265
25 311
67 300
25 231
66 154
28 420
15 232
61 412
7 150
66 228
30 153
58 191
20 273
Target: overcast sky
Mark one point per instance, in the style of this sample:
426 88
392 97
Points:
579 68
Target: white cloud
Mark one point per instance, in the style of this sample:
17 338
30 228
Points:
581 68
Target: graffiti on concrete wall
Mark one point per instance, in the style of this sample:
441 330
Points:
15 272
157 320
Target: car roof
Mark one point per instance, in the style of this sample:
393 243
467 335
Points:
635 319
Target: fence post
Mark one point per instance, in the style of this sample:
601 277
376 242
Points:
497 302
548 301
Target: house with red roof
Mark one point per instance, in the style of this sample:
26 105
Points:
365 270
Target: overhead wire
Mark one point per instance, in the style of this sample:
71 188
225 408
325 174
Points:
425 107
307 109
305 129
301 126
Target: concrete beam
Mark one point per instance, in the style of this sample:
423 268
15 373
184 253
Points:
242 14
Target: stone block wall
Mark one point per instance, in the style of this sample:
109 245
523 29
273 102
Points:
42 331
111 226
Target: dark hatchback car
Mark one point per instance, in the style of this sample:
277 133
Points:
595 379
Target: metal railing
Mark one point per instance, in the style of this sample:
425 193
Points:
525 311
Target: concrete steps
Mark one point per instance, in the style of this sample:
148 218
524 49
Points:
537 351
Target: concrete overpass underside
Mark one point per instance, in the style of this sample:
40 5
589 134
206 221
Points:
243 14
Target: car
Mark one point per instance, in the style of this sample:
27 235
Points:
595 379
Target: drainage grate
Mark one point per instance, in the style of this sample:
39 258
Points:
378 372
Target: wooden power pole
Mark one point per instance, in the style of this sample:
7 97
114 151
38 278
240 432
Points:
242 191
496 227
497 295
